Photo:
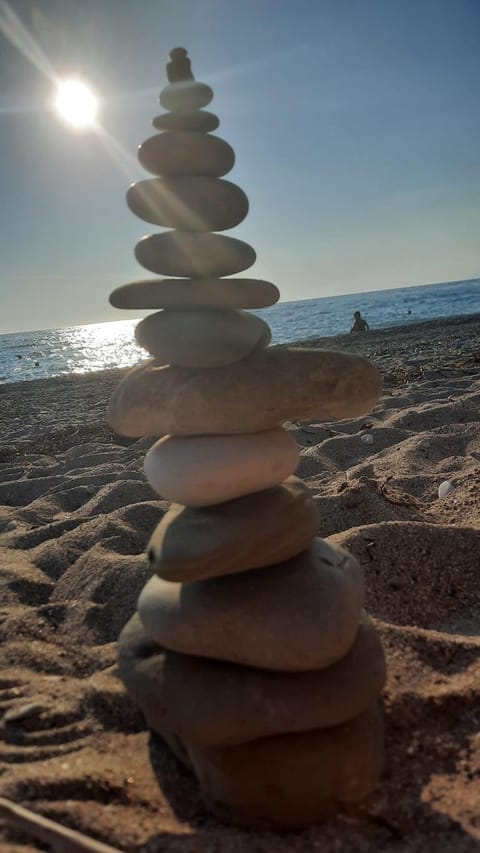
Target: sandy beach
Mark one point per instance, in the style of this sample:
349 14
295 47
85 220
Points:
76 514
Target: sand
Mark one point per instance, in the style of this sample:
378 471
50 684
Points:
75 516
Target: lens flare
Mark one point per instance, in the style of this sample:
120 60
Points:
76 103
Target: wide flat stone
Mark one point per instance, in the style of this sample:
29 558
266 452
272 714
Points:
189 203
294 616
186 153
185 96
194 543
267 388
207 337
204 470
212 703
193 293
194 255
292 780
199 121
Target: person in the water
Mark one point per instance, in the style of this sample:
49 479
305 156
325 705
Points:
359 324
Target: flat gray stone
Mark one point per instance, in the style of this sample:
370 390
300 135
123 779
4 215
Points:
207 337
252 532
266 389
193 293
212 703
292 780
194 255
189 203
294 616
200 121
186 153
185 96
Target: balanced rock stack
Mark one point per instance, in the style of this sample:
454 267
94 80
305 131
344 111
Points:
250 652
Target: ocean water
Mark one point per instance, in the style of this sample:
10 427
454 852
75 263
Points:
100 346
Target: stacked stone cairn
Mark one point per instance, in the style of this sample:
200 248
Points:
249 653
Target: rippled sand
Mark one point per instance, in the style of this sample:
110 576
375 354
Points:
75 516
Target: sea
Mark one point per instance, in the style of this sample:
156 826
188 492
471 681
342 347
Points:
101 346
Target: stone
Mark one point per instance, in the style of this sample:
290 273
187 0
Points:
199 121
251 532
189 204
203 470
194 255
445 488
294 616
292 780
367 438
266 389
213 703
193 293
179 67
208 337
185 96
186 153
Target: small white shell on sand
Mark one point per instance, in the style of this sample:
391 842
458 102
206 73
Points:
367 438
445 488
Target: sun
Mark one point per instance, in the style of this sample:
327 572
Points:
76 103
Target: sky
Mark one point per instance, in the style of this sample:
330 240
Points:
355 123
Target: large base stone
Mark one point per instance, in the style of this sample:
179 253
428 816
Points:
291 781
211 703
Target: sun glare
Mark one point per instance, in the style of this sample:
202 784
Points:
76 103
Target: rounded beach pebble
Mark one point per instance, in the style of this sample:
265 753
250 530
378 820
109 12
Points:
200 121
185 96
294 616
445 488
266 389
202 470
186 153
190 204
201 255
257 530
201 292
208 337
213 703
292 780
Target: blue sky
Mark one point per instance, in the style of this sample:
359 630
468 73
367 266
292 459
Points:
356 127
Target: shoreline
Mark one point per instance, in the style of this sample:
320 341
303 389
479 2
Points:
37 408
364 344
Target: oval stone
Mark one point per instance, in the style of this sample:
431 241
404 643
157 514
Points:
207 337
199 121
193 543
194 255
212 703
193 293
294 616
185 96
266 389
204 470
292 780
190 204
184 153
